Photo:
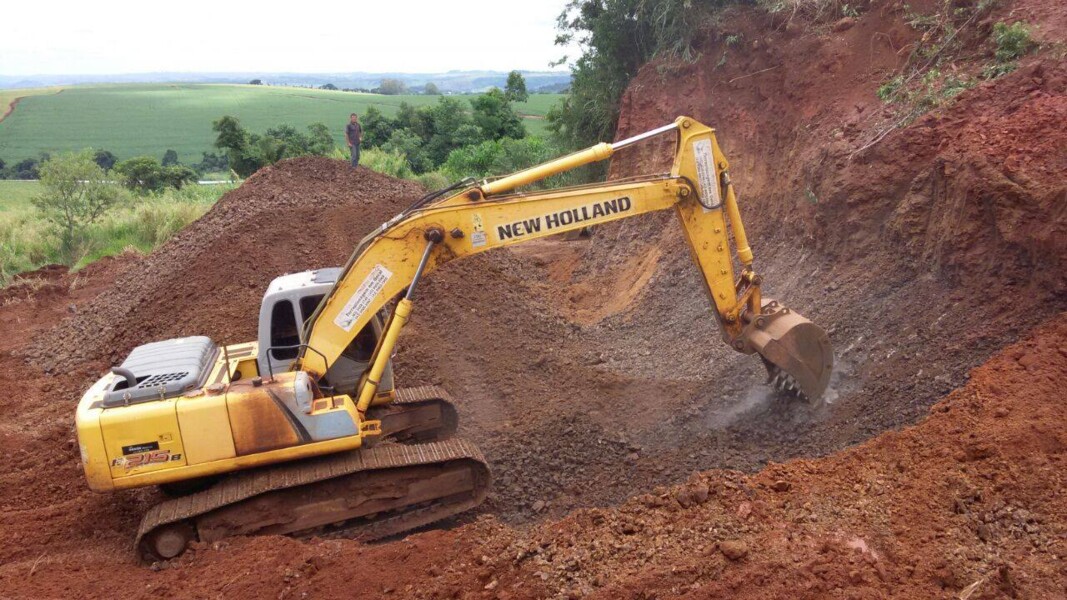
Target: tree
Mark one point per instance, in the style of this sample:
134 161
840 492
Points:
320 142
211 162
27 168
406 142
617 37
178 176
104 159
444 121
515 88
376 127
236 141
392 87
328 86
256 82
146 174
248 152
493 114
430 89
170 158
76 194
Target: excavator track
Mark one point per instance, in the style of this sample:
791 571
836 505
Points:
418 414
372 493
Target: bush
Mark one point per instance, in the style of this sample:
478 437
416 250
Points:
26 243
26 240
391 163
434 180
501 157
1012 41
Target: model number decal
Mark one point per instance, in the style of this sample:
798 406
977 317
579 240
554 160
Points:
365 294
145 459
139 448
563 218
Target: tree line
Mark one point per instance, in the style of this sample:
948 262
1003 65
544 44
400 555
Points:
423 136
168 167
390 86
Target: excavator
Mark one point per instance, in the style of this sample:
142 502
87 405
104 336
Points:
303 432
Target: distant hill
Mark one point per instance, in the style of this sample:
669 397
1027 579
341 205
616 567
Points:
452 81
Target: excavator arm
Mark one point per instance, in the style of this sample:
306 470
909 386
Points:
476 218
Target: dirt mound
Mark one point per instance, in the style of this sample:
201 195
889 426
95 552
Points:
299 214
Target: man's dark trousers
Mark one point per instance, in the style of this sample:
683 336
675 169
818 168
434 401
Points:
355 154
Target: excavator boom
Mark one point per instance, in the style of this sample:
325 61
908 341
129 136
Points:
492 215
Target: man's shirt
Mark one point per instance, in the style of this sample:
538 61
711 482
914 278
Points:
354 131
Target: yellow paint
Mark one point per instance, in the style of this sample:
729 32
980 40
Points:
239 463
140 425
572 161
205 428
384 351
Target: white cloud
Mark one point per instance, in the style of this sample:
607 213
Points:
123 36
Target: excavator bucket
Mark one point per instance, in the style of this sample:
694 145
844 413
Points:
796 351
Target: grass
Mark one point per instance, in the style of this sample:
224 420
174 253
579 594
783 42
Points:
147 119
15 195
27 242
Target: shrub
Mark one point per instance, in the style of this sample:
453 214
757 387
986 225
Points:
391 163
1012 41
434 180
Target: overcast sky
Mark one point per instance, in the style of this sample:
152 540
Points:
123 36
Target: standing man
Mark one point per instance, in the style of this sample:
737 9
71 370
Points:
354 135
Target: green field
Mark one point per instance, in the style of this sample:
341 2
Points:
15 195
148 119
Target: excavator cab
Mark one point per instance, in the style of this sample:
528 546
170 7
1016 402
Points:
288 304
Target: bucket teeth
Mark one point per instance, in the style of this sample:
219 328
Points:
782 382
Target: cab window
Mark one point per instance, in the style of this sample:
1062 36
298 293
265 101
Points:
283 331
308 304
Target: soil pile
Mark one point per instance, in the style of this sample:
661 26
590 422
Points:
305 213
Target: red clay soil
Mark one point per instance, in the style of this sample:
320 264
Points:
590 372
967 504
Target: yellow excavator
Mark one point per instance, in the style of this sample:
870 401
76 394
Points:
302 432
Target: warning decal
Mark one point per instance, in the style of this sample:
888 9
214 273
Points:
365 294
710 196
478 237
